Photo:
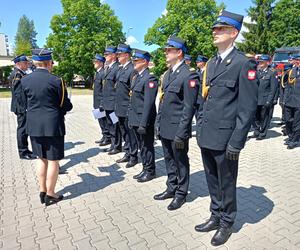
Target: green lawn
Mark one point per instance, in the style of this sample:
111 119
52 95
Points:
5 92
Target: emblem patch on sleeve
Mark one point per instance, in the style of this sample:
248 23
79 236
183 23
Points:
192 83
251 74
151 85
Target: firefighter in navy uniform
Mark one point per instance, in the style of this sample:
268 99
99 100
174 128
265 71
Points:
174 121
98 97
47 104
292 103
124 76
228 111
109 98
18 107
142 113
201 63
188 60
268 87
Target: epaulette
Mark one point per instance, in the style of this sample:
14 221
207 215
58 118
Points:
192 69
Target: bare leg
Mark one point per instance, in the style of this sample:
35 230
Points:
42 173
52 174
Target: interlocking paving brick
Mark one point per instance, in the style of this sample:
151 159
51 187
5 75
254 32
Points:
105 208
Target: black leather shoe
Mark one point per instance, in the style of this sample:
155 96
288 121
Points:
100 141
163 196
146 177
28 157
105 143
207 226
42 197
49 200
62 171
124 159
139 175
176 203
293 145
114 152
221 236
131 163
108 149
261 137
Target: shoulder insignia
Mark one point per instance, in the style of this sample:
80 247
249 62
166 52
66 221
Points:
192 83
251 74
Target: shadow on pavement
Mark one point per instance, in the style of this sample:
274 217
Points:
70 145
79 158
91 183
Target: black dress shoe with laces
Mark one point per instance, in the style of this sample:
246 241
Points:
131 163
50 200
208 226
114 152
105 143
221 236
42 197
163 196
176 203
28 157
139 175
146 177
125 158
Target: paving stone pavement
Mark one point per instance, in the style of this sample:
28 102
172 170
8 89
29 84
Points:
106 209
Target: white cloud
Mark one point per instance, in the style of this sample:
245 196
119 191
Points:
247 19
131 40
164 13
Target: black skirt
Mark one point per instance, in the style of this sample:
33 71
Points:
50 148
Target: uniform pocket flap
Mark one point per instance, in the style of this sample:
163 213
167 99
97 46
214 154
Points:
175 89
229 83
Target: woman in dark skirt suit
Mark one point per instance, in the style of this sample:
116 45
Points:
47 103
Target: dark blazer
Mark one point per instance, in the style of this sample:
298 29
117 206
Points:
97 94
293 98
268 86
47 103
229 108
122 89
17 106
109 87
178 104
142 110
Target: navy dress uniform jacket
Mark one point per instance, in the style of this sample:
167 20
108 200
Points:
268 86
17 106
142 110
122 89
109 87
97 94
47 103
293 97
231 102
178 104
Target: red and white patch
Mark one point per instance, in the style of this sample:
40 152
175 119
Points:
192 83
251 74
151 85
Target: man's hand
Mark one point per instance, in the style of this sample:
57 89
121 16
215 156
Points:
232 153
141 130
179 143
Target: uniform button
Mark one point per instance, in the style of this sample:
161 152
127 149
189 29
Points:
205 120
210 97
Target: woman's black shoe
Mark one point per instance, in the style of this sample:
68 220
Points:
49 200
42 197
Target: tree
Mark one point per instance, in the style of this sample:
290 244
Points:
25 39
258 34
83 29
285 24
191 20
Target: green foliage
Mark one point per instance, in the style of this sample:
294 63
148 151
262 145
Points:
285 24
84 29
25 39
257 39
192 21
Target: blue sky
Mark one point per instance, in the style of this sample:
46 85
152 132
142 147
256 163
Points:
138 14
